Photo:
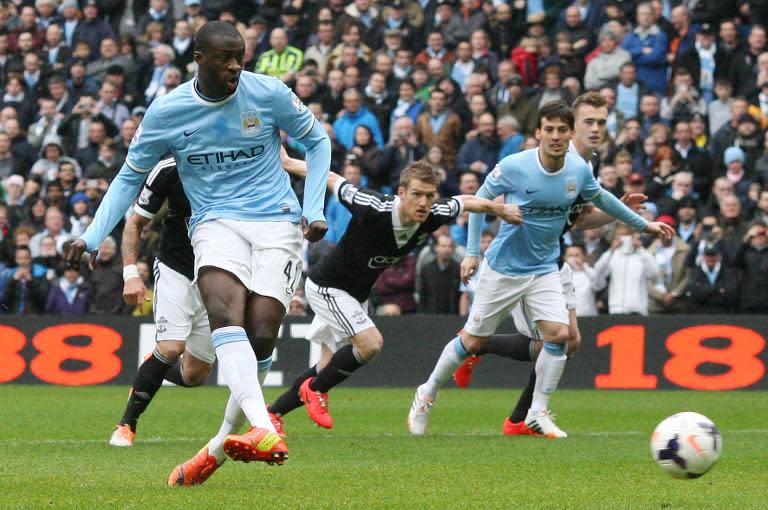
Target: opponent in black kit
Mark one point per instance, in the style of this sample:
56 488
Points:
180 318
383 230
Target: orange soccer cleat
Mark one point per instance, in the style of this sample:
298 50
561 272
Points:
278 423
463 374
122 436
194 471
316 404
517 428
261 445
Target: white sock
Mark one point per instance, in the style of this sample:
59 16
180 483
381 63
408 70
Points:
549 369
233 422
239 367
452 357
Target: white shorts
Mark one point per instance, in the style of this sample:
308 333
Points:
180 314
338 316
498 293
265 255
523 322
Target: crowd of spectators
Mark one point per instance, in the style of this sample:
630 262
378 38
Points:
457 83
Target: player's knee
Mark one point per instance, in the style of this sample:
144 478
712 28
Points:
558 334
473 344
371 346
196 376
574 342
171 350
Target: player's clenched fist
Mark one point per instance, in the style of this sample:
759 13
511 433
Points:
134 292
468 268
315 231
75 254
511 214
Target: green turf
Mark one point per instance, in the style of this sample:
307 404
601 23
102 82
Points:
54 453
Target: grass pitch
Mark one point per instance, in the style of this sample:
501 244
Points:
54 453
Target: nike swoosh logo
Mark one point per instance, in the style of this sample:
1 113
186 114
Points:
531 192
191 132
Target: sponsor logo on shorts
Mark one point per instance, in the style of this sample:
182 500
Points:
360 317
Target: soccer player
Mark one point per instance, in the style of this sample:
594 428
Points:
383 230
180 317
590 115
521 263
246 227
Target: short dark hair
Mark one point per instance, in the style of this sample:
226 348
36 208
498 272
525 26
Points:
212 30
420 171
555 110
579 246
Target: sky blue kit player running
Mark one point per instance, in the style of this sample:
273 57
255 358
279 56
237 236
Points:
521 262
246 227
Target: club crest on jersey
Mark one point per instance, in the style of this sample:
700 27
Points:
250 123
570 187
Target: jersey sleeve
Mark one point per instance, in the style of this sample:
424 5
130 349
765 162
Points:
359 201
498 181
446 210
590 187
158 185
291 114
150 142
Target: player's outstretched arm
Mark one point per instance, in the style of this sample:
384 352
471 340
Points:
475 227
117 200
595 218
298 168
507 212
134 291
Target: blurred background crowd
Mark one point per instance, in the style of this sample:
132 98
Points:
457 83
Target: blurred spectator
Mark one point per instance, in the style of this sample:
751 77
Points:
54 227
583 281
10 163
604 69
448 22
734 159
47 123
393 293
481 153
719 110
282 61
726 135
629 266
353 115
402 150
407 105
667 295
686 218
510 137
752 257
109 106
649 113
743 72
27 289
519 106
91 29
684 100
691 158
81 216
69 294
440 127
366 151
648 46
106 280
714 286
320 51
378 101
435 49
75 129
730 220
438 285
109 56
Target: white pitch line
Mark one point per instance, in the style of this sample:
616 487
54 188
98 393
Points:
157 440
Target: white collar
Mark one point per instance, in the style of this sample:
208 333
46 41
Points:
544 170
200 99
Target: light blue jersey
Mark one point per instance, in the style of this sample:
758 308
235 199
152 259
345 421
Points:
544 198
227 153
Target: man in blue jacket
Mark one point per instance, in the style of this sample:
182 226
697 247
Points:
648 46
354 114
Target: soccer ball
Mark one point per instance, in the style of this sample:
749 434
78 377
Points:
686 445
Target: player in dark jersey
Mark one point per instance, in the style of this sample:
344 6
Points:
383 230
180 317
590 111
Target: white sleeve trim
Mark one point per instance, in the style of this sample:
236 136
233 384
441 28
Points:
461 205
136 168
143 212
337 187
